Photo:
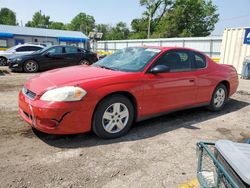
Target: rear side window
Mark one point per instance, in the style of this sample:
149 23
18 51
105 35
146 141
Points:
177 60
35 48
200 61
23 49
70 49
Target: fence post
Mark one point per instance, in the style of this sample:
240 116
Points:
211 47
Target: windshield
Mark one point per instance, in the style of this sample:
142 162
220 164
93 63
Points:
43 49
128 59
10 49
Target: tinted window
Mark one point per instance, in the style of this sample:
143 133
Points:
23 49
200 60
35 48
70 49
55 50
178 60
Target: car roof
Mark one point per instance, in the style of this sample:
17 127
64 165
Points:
166 48
27 44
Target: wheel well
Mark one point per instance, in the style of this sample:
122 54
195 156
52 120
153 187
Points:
3 57
226 83
124 93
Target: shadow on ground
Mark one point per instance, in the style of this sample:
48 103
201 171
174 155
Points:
145 129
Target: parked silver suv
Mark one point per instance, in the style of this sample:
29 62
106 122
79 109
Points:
21 49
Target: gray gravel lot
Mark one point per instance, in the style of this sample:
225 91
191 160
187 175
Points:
156 153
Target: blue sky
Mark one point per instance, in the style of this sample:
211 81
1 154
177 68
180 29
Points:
232 13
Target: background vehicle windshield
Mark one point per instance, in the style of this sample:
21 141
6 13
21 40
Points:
44 49
128 59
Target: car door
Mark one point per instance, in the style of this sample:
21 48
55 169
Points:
170 90
53 58
72 55
204 83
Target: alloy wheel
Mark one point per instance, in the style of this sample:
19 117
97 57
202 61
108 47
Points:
3 61
31 66
219 97
115 118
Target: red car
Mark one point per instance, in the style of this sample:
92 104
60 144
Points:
131 85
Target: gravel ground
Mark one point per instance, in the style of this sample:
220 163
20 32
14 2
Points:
159 152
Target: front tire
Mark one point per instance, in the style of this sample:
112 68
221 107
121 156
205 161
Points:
3 61
30 66
113 117
219 98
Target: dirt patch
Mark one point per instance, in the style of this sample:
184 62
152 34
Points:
4 72
240 92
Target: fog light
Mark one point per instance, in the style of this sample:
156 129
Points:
49 123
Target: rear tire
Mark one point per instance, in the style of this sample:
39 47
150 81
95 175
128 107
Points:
30 66
84 62
113 117
219 98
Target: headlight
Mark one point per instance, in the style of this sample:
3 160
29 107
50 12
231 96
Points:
19 59
67 93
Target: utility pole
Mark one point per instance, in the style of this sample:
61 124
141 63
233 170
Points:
150 3
149 24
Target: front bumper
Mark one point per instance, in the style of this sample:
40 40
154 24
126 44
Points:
56 117
15 66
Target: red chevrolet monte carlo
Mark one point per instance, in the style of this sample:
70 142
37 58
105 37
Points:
133 84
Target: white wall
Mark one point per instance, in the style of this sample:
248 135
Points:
209 45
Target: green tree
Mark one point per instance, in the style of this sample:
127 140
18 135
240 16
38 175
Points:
39 20
57 25
155 10
103 28
189 18
119 32
139 29
7 17
82 22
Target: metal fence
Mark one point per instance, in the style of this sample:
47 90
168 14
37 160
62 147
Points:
209 45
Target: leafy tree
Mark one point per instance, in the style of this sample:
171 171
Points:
103 28
155 10
7 17
189 18
82 22
57 25
119 32
139 27
39 20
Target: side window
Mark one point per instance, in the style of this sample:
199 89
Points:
35 48
55 50
69 49
177 60
23 49
200 61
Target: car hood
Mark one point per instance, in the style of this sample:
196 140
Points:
5 52
76 75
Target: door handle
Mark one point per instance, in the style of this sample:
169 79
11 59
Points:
191 80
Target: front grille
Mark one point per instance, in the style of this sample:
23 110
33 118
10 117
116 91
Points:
28 93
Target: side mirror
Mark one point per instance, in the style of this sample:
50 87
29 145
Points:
47 54
160 69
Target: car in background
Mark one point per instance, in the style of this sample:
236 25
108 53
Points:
131 85
21 49
52 57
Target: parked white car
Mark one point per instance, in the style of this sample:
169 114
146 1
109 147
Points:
21 49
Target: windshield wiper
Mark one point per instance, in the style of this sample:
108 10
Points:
104 67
